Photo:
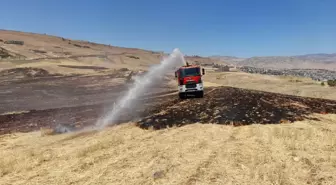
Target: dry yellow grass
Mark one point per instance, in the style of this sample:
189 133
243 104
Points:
300 153
298 86
14 112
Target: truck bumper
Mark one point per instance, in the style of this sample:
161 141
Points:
191 89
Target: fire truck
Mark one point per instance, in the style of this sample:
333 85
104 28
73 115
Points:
189 79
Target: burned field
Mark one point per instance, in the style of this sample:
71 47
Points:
24 93
227 105
73 118
79 100
31 102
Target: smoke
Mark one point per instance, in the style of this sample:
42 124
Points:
128 101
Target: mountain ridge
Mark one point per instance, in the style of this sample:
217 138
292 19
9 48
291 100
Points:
39 45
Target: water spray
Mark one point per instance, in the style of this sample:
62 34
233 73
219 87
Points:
175 59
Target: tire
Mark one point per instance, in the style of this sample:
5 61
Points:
182 96
199 94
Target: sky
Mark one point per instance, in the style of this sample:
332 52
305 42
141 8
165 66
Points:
242 28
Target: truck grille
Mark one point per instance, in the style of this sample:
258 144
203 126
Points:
191 85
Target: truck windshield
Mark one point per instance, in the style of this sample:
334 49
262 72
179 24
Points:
190 72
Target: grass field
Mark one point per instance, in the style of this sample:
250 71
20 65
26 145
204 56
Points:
300 153
297 86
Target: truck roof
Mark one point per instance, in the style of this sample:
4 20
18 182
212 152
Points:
189 66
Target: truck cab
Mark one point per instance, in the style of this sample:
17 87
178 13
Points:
189 79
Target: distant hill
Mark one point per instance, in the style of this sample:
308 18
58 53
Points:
308 61
22 49
320 57
19 49
227 58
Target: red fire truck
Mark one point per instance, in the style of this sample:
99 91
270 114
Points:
189 79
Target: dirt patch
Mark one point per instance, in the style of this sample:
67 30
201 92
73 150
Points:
134 57
84 67
227 105
38 51
4 53
25 72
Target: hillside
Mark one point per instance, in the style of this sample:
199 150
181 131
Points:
228 58
309 61
320 57
289 63
58 54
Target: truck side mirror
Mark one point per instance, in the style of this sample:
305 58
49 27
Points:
203 71
175 75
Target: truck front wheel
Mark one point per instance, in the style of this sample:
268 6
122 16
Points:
199 94
182 96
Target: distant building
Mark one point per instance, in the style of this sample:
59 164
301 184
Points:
197 62
232 66
224 68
